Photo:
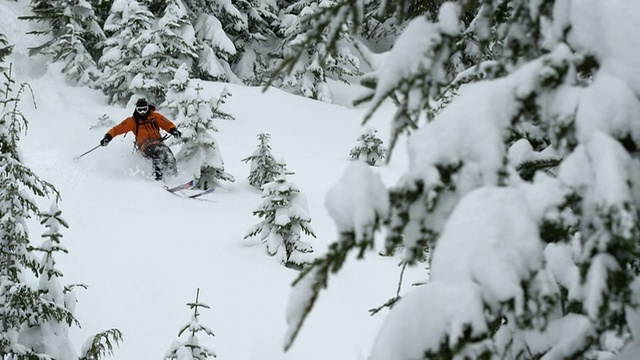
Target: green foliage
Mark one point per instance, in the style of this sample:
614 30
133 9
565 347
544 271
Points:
102 345
5 50
101 9
72 35
200 148
216 108
264 167
325 26
315 47
528 169
284 214
596 234
120 49
369 148
20 304
23 307
314 278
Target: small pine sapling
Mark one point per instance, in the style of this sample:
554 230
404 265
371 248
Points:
191 349
200 154
285 215
104 122
264 167
369 148
216 105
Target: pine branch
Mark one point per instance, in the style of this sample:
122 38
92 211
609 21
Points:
102 344
389 304
316 276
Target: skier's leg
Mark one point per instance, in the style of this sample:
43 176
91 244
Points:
154 153
167 159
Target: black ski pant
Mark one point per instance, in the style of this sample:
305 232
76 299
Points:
163 161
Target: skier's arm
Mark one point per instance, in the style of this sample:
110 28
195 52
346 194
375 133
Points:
167 125
126 125
163 122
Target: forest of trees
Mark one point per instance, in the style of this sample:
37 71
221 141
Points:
134 48
518 112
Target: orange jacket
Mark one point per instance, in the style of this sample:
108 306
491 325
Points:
147 131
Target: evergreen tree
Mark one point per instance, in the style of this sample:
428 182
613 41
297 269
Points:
174 100
35 320
164 49
369 148
378 31
264 167
51 337
20 304
199 153
216 47
102 9
73 36
285 216
253 37
308 62
79 68
535 74
191 349
127 21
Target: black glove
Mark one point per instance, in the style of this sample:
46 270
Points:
105 140
175 133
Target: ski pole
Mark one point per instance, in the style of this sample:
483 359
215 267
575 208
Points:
78 157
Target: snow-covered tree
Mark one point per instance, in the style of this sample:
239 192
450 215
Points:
51 336
169 45
264 167
176 89
20 303
522 266
35 319
102 9
199 154
285 216
307 61
254 36
216 47
72 34
127 21
369 148
79 68
191 349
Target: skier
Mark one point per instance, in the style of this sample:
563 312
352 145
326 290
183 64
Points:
145 125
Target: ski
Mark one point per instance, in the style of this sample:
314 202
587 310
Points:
177 190
204 192
188 185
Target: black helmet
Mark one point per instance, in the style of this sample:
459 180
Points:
142 102
142 106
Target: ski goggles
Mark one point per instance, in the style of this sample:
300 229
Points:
142 109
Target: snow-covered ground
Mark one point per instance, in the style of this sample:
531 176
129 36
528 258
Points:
143 252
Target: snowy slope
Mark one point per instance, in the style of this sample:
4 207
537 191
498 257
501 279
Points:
144 252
